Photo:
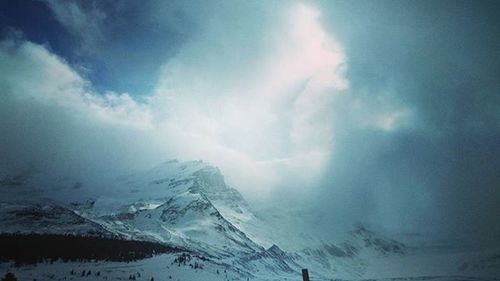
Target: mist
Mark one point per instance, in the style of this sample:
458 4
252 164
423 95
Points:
385 114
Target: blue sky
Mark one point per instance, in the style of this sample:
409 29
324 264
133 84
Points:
123 54
384 112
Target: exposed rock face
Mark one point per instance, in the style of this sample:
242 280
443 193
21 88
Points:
47 219
186 205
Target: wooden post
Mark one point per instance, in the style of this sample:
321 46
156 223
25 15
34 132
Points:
305 274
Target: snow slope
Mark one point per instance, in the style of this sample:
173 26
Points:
46 219
189 205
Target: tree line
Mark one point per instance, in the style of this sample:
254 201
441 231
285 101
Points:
35 248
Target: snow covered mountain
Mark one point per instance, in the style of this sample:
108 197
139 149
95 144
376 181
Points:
47 219
173 203
186 205
179 204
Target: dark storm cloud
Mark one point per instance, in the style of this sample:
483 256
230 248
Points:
440 175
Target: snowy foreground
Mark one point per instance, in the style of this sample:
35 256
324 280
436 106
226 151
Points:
166 267
161 267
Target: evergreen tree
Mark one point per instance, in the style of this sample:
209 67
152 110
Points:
9 276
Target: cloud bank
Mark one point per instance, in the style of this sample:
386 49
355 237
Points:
330 108
262 117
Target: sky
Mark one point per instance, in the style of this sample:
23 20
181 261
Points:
380 112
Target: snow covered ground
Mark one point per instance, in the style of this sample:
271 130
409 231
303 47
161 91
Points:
161 267
165 268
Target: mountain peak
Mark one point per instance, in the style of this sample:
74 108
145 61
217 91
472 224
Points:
274 249
378 242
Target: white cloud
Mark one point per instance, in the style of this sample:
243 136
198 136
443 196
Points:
265 115
380 111
52 120
271 125
30 71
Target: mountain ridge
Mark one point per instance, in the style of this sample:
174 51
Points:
190 206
